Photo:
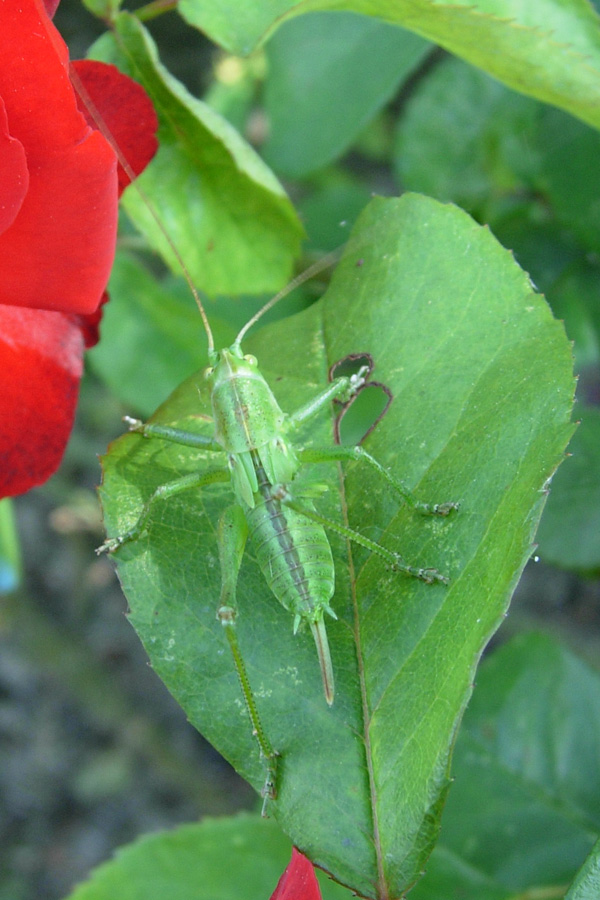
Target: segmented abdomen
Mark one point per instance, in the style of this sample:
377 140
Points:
293 552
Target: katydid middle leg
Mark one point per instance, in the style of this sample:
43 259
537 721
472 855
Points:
340 454
164 492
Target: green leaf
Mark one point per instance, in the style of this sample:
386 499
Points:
328 76
569 534
217 859
574 299
482 385
332 207
548 49
524 809
104 9
569 175
587 883
220 205
465 137
540 248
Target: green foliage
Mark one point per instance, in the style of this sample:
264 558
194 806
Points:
570 533
481 378
464 137
523 810
545 49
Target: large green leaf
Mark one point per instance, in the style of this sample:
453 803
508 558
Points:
482 386
219 204
549 49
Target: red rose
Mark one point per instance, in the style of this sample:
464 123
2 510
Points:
299 881
58 221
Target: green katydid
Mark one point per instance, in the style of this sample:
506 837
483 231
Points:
287 531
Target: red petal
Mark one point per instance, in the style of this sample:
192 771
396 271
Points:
126 115
41 363
59 250
299 881
51 6
90 325
14 177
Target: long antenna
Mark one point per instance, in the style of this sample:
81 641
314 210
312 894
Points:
309 273
106 132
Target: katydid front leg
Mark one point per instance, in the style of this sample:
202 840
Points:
342 388
232 534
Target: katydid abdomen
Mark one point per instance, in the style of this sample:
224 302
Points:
295 558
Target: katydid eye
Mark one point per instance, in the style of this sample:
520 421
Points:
251 359
208 372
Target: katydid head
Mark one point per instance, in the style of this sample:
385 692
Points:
229 363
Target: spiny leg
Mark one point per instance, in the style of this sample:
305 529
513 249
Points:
232 534
163 492
339 454
394 559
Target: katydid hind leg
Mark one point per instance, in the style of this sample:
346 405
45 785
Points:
232 535
395 561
